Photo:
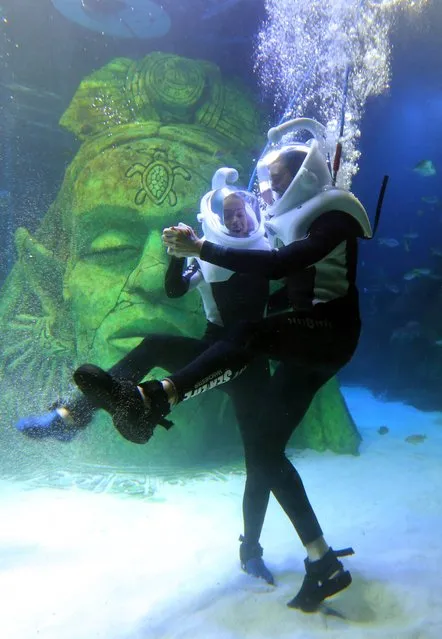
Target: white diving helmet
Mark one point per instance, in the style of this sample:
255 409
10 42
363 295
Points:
300 170
230 216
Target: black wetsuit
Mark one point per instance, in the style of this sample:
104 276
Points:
312 340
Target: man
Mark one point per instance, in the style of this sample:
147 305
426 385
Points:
316 227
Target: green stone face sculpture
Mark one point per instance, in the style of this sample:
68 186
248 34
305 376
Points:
90 284
114 280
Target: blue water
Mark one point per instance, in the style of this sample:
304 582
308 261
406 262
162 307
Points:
193 516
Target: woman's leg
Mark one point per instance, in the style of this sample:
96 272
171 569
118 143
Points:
311 342
246 392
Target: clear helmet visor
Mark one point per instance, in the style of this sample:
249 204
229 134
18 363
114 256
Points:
277 169
236 213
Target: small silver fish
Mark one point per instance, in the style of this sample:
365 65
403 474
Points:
391 242
415 439
417 272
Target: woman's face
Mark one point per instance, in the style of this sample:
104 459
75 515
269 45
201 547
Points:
235 216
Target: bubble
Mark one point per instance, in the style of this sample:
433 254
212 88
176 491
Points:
306 47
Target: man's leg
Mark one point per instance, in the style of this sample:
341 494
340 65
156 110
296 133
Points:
68 416
305 339
137 410
294 388
289 397
280 337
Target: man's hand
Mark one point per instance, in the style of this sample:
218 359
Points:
182 241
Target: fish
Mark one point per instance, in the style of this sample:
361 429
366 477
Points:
391 242
383 430
438 342
425 168
420 212
378 288
411 236
415 439
4 193
417 272
436 251
430 199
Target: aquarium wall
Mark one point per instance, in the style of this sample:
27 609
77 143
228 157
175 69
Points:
109 136
293 490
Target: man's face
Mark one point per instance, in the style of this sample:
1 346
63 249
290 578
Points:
280 177
235 217
114 282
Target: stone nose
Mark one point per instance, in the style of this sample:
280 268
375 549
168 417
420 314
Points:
147 278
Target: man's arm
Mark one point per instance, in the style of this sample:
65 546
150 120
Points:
325 234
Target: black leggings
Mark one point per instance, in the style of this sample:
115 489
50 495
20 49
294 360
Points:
172 352
311 350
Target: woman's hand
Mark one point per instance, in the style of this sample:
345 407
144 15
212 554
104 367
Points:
182 241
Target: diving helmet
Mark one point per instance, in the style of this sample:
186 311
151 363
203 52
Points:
290 174
229 215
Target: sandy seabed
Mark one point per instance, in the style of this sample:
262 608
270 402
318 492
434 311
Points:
79 565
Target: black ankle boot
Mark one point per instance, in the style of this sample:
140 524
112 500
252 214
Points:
324 578
134 418
251 561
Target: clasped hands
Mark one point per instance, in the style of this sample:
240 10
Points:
182 241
